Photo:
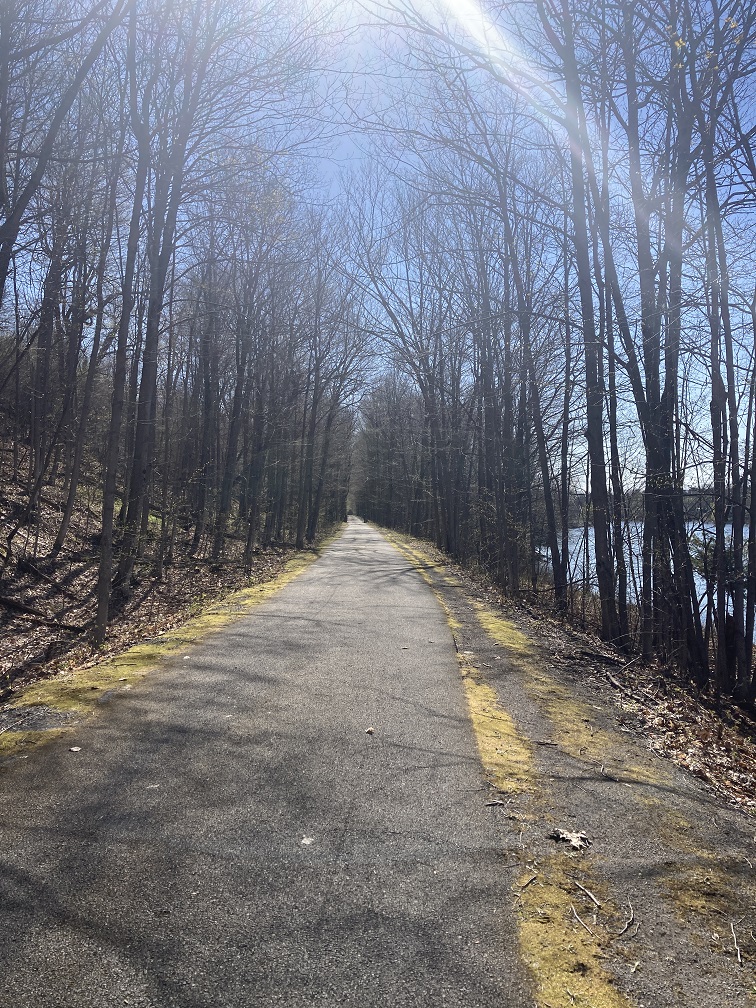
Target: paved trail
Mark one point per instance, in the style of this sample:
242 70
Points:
229 835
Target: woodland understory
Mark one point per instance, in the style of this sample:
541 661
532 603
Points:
47 607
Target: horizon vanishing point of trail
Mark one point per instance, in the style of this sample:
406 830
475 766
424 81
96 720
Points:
292 814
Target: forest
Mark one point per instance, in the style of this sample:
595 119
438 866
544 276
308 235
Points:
479 273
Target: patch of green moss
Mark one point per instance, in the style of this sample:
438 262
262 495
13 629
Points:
564 959
21 743
700 883
408 547
80 690
502 630
504 753
573 723
704 888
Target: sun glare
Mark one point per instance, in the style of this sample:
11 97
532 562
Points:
493 45
488 36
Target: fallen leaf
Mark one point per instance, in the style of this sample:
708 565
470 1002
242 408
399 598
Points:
579 841
75 748
370 730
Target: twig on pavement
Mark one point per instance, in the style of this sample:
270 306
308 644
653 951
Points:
581 922
735 942
587 892
629 920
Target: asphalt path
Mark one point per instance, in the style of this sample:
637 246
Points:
230 833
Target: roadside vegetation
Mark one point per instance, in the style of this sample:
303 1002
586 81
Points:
47 609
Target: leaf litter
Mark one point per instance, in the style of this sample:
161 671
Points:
577 841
